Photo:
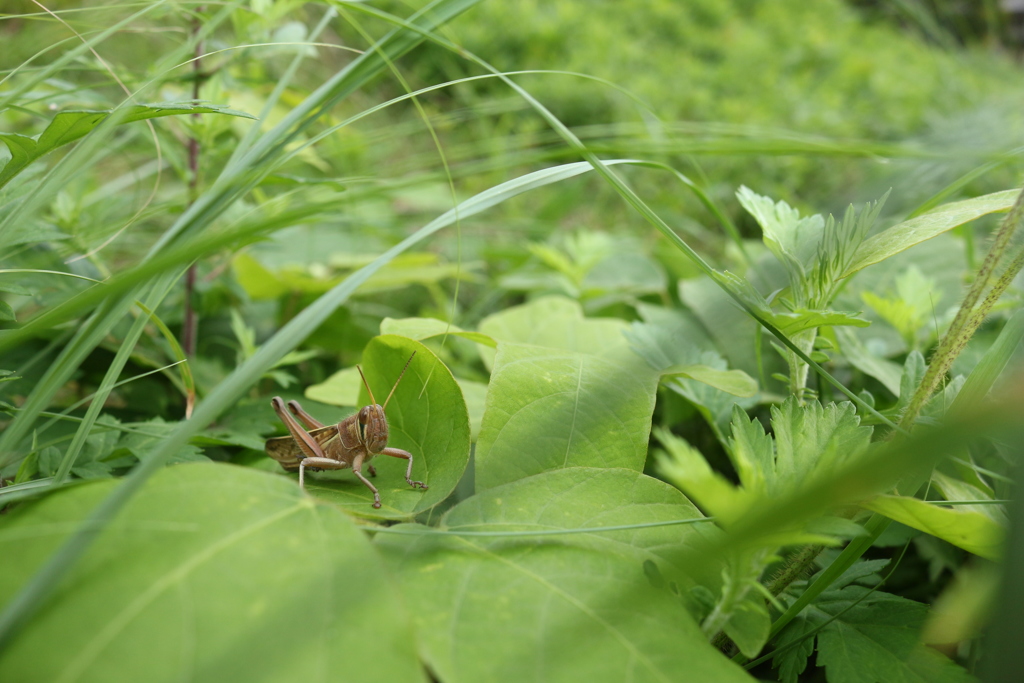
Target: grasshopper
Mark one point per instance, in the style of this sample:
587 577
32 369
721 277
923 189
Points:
352 442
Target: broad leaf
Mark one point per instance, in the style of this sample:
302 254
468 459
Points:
973 531
69 126
565 608
549 408
425 418
589 497
558 323
916 230
211 573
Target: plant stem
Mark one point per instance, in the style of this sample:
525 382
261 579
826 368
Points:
794 569
967 318
189 326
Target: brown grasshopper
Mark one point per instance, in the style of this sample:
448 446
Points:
352 442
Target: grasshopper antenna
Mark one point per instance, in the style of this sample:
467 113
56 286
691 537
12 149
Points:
367 384
398 380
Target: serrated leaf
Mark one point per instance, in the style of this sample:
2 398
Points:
570 608
68 126
814 439
974 532
427 419
916 230
877 640
788 235
200 572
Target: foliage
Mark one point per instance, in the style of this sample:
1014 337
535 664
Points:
651 455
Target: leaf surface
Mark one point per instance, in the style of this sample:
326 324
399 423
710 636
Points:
916 230
212 573
558 608
973 531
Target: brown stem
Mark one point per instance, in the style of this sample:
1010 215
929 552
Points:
189 326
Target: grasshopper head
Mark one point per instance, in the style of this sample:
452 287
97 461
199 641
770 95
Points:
373 425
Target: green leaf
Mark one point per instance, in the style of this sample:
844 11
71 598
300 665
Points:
475 394
735 382
860 357
425 418
749 624
798 320
689 470
213 572
793 240
577 607
589 497
6 312
69 126
874 640
669 338
340 389
813 439
425 328
549 408
905 235
555 322
974 532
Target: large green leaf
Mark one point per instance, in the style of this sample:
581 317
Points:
583 607
875 639
974 532
558 323
426 416
69 126
908 233
212 573
549 408
589 497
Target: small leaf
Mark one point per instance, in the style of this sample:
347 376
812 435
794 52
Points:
972 531
6 312
69 126
916 230
749 625
425 328
427 419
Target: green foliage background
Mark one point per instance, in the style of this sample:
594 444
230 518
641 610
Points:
771 437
